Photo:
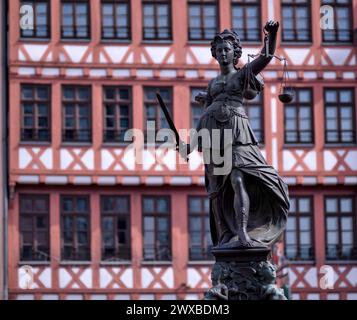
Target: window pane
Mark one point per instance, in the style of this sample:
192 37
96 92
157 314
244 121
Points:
163 224
290 237
331 96
148 223
162 206
148 205
304 205
305 224
347 238
346 96
347 223
331 205
305 238
332 224
82 224
346 205
195 224
149 238
332 237
291 223
195 205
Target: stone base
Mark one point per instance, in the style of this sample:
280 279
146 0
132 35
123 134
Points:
243 274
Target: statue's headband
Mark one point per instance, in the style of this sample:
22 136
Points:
227 35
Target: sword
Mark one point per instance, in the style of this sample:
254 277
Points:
169 120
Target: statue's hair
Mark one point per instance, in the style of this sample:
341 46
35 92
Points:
232 37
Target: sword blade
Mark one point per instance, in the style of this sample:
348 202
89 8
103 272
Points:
168 118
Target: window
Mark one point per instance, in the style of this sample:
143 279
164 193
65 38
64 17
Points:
203 19
246 18
75 215
153 111
34 227
116 19
296 16
199 228
115 214
299 118
342 30
157 228
299 229
41 20
75 19
254 109
156 20
196 108
76 113
35 112
339 116
340 225
117 113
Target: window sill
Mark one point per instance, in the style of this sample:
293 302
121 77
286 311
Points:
163 42
156 263
338 262
116 263
254 43
296 262
76 144
42 40
75 263
75 40
199 42
116 41
34 263
35 143
116 144
296 43
200 262
299 145
340 145
332 44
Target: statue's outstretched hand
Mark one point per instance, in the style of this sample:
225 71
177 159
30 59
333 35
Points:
272 26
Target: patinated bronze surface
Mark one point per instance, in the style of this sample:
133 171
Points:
242 274
249 205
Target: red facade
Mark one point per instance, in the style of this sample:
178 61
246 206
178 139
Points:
95 168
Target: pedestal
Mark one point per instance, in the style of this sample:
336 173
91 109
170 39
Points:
243 274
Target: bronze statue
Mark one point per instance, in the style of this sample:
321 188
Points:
248 202
249 205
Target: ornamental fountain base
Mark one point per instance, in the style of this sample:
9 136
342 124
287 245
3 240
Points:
243 274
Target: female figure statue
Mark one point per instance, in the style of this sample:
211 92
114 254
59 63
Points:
249 205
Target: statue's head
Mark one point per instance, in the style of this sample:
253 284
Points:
226 47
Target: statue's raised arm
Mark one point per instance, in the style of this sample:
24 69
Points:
267 53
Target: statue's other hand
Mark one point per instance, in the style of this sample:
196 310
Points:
272 26
201 97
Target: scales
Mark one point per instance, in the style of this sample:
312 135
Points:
250 90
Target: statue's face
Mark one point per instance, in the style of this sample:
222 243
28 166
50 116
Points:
224 53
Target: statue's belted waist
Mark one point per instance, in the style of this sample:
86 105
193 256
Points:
223 111
229 99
